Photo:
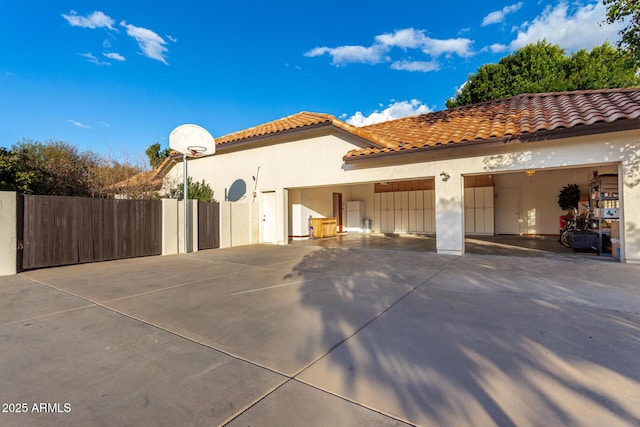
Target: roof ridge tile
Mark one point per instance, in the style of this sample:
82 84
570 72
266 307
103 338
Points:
507 117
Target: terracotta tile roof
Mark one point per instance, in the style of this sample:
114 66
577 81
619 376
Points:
299 121
151 180
517 116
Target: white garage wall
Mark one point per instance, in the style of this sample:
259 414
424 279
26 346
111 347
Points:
317 160
539 210
318 203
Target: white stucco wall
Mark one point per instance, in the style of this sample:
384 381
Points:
8 233
238 224
192 225
316 161
170 227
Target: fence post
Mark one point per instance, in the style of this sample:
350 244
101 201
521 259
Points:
8 237
193 224
170 226
192 233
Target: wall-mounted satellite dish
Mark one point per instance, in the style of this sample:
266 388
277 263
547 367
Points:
192 140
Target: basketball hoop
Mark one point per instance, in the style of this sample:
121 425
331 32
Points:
196 150
181 140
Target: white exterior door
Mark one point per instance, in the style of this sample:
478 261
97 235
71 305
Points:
269 217
508 211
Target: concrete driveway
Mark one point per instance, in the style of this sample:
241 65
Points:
307 335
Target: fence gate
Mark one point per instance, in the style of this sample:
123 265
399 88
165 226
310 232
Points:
59 230
208 225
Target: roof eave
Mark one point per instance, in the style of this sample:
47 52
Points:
576 131
233 145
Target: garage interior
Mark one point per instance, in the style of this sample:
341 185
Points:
503 212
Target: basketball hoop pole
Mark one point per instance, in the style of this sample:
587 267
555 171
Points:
184 200
190 140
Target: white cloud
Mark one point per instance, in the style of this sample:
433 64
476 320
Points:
422 66
499 15
459 46
115 56
151 44
92 58
172 39
80 125
395 110
498 48
572 31
351 54
408 38
96 20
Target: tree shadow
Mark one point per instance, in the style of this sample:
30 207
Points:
414 336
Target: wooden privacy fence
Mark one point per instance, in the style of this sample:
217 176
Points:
60 230
208 225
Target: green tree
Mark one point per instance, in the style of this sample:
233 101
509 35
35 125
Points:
58 168
9 178
602 68
200 191
53 168
543 67
156 156
627 11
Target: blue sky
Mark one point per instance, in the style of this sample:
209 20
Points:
115 76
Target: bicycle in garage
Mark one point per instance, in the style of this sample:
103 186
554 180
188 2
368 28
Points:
580 225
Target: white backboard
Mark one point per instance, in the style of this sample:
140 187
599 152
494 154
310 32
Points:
192 140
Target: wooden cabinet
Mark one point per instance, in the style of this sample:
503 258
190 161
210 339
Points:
324 227
405 212
479 210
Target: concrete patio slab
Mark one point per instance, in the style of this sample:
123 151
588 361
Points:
22 299
312 335
256 255
272 318
117 279
312 407
592 282
453 357
387 265
113 370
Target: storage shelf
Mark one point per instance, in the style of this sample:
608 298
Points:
598 187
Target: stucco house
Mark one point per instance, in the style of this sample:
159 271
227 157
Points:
489 168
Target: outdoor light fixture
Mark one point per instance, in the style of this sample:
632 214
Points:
530 172
445 176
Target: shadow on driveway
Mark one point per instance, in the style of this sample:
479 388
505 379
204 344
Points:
490 343
292 335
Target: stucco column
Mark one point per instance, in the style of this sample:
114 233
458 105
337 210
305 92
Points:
449 214
170 226
630 218
192 207
282 216
8 237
